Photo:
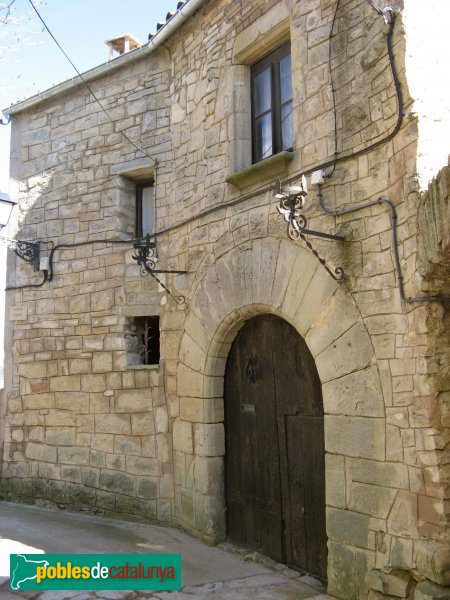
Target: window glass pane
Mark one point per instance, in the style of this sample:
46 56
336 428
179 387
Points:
263 137
262 92
285 79
148 210
287 126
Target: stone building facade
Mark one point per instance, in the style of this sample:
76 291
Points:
86 428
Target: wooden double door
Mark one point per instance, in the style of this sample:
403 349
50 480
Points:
274 465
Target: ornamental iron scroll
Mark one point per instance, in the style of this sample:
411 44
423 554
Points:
27 251
291 202
146 258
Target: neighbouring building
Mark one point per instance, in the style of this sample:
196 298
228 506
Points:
250 391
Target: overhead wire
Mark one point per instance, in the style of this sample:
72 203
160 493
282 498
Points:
121 131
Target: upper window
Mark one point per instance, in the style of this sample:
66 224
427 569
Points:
273 127
145 209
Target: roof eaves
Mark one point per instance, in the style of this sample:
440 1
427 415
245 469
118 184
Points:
173 23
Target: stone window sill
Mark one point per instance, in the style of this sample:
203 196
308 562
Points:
264 170
143 367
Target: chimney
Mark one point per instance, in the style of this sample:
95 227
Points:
122 44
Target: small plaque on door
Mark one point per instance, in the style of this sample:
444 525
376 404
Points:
248 408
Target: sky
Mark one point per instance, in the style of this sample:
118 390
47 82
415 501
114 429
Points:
31 62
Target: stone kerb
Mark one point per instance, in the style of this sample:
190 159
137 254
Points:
282 278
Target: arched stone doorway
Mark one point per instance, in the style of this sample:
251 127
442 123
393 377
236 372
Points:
274 440
277 277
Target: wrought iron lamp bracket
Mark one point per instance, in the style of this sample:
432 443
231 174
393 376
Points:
289 207
146 258
27 251
145 255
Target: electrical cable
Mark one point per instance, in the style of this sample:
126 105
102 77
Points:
139 148
48 275
398 269
28 285
390 18
333 90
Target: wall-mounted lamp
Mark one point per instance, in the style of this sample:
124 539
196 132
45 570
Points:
146 258
292 200
145 254
28 251
6 206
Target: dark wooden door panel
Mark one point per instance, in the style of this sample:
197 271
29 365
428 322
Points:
253 487
306 491
274 463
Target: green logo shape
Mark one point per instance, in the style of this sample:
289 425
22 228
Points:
95 571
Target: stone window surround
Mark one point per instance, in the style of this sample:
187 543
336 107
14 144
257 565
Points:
269 32
128 176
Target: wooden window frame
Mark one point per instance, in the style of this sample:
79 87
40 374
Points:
139 188
271 61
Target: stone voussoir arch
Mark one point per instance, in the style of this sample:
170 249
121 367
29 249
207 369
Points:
271 276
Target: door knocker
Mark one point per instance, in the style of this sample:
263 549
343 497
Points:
250 368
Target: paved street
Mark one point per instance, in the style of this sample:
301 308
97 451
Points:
208 572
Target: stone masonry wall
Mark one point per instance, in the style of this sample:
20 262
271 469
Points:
85 431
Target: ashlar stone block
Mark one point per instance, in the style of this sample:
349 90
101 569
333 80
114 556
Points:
183 440
112 423
359 437
65 383
133 400
93 383
371 499
41 452
138 465
403 516
60 436
392 583
352 351
357 394
341 571
209 439
102 362
426 590
433 562
209 475
117 482
73 455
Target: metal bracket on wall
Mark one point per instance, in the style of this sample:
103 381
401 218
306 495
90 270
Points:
291 202
146 258
27 251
